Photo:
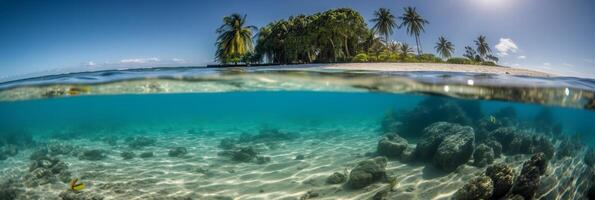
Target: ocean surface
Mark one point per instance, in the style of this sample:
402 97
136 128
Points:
258 133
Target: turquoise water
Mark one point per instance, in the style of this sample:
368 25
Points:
299 136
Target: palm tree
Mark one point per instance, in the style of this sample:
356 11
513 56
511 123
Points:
234 40
482 46
405 49
384 22
414 23
444 47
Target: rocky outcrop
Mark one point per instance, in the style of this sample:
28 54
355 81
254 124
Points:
483 155
244 154
336 178
92 155
515 141
447 145
81 195
46 170
496 147
177 152
9 190
147 154
529 179
502 177
477 188
127 155
367 172
392 146
429 111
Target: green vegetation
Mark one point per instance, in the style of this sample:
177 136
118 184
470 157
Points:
385 22
235 39
337 35
444 47
414 24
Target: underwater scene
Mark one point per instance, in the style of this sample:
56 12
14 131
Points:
308 143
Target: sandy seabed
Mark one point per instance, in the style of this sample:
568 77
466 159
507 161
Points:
203 174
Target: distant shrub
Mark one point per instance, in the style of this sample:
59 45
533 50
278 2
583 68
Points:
459 61
362 57
383 57
429 58
489 63
372 58
410 59
393 57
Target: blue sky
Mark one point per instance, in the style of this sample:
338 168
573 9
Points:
42 36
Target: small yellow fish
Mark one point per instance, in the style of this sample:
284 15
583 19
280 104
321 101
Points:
492 119
75 186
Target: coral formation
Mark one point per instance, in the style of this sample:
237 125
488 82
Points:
477 188
367 172
502 177
448 145
483 155
528 181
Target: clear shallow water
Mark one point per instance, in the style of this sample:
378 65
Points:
332 120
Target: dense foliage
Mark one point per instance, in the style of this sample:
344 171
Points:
336 35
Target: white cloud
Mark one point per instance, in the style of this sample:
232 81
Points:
506 46
567 65
140 60
547 64
521 57
91 63
178 60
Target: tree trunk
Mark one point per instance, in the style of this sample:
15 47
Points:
346 49
417 42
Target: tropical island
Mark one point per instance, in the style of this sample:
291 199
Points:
343 36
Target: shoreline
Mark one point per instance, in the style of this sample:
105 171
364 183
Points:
382 66
433 67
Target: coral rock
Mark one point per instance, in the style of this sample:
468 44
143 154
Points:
336 178
528 181
177 152
367 172
503 177
483 155
477 188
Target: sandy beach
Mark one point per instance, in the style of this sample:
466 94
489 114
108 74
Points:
428 67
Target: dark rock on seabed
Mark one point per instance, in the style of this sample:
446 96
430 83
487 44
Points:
9 190
515 141
529 179
483 155
392 146
147 154
45 170
82 195
92 155
177 152
496 147
367 172
127 155
262 160
336 178
244 154
429 111
477 188
502 177
448 145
